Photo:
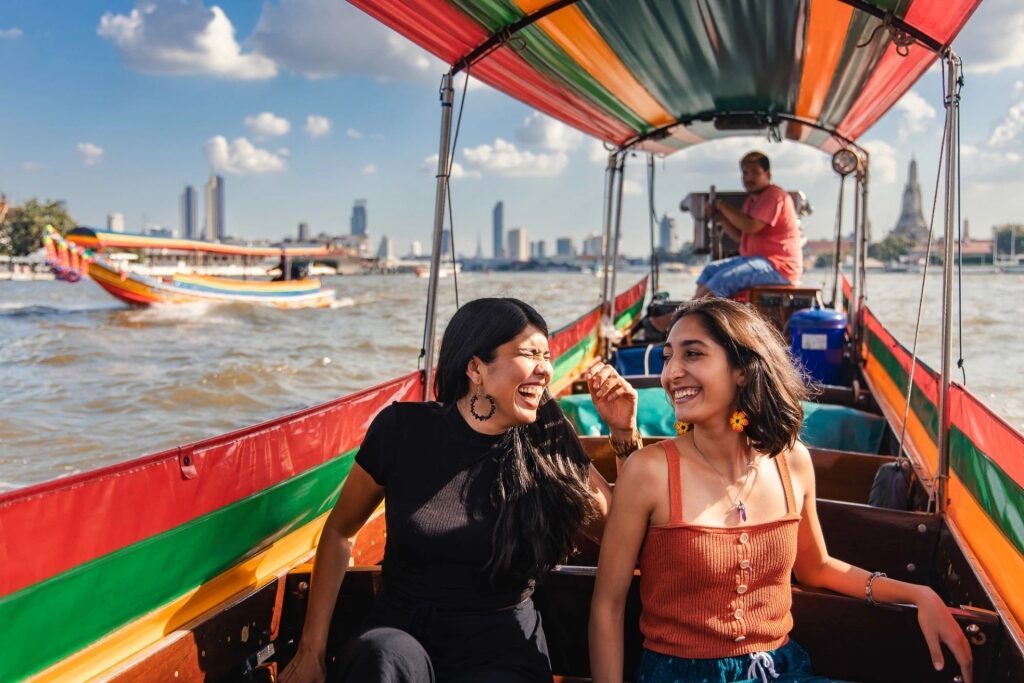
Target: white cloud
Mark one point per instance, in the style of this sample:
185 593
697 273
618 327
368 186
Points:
91 154
916 111
369 169
267 124
182 37
242 157
327 38
1010 130
504 159
543 131
317 126
631 188
429 165
31 166
989 167
597 153
991 41
354 134
12 33
722 156
882 161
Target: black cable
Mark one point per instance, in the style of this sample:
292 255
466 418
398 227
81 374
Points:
448 189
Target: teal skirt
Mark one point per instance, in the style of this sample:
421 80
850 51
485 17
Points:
788 664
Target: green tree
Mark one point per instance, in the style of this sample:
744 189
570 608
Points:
21 231
891 248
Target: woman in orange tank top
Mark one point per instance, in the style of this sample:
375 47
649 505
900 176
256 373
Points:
720 516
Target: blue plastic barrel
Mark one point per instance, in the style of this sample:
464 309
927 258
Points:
817 337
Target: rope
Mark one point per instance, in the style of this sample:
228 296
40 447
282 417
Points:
924 277
900 38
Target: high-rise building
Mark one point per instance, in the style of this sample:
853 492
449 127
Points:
541 249
386 251
189 210
415 248
498 228
911 223
565 247
303 232
518 245
668 234
446 243
593 246
358 221
115 222
213 229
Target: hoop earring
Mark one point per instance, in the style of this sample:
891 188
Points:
472 405
682 427
738 420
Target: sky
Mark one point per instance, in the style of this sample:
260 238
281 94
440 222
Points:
304 106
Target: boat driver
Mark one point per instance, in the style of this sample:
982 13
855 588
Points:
768 231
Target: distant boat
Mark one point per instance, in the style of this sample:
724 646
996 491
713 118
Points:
80 253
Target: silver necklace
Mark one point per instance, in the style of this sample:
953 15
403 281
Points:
737 501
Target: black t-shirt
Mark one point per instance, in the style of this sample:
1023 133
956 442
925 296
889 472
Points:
438 475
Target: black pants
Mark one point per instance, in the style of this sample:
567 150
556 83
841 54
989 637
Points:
408 642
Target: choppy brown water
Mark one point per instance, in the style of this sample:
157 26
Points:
86 381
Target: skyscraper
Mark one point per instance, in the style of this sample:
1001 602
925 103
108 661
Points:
358 222
565 247
303 232
668 234
518 245
115 222
911 223
446 243
498 223
189 210
213 229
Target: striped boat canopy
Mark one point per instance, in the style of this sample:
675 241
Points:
100 240
661 75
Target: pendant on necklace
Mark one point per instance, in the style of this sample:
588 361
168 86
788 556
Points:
742 509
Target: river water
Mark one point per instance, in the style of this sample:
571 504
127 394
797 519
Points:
88 381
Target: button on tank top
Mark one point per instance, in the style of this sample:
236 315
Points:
712 592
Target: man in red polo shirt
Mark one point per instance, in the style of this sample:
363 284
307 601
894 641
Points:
768 231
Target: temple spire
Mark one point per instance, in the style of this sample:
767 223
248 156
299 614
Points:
911 223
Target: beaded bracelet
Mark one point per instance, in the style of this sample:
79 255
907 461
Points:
622 449
867 587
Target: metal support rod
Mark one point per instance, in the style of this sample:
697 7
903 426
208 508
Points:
855 280
837 253
948 263
606 230
618 236
651 220
443 169
860 295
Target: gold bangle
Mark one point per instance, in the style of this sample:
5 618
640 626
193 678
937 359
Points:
622 449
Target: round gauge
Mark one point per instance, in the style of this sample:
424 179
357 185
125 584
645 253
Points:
845 162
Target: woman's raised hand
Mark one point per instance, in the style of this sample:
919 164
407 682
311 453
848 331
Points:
614 398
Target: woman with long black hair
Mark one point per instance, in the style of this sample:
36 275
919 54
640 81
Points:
484 490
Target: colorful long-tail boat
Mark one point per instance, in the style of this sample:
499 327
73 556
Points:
82 252
190 564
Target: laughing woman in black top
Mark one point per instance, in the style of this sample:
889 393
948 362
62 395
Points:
483 492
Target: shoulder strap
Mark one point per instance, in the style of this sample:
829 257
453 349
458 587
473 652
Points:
787 482
675 493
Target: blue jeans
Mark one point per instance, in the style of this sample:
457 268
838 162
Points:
789 664
727 277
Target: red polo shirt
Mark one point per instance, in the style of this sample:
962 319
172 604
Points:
779 240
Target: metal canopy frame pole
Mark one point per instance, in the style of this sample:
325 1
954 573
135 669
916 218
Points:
618 238
651 219
447 94
859 294
948 263
606 231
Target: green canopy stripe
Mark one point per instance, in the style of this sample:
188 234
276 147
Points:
108 592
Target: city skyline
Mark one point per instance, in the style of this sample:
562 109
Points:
287 125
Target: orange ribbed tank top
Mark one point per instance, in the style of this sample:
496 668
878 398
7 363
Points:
712 592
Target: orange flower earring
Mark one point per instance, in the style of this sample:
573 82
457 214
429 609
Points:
738 421
682 427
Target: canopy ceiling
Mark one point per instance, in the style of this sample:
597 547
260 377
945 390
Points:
623 70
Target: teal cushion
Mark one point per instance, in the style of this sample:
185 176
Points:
825 426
